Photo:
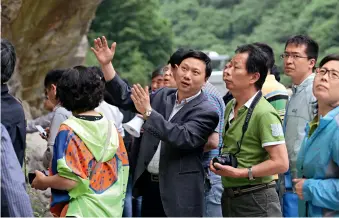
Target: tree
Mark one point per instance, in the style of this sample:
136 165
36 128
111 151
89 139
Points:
143 36
222 25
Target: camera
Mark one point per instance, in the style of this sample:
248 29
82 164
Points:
226 159
31 176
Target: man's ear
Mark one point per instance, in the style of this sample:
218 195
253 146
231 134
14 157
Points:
53 87
254 77
312 63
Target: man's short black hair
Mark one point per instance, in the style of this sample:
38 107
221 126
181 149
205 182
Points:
175 58
200 56
52 77
331 57
80 89
256 62
312 47
269 52
157 72
8 60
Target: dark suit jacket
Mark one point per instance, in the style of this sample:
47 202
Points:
181 173
13 118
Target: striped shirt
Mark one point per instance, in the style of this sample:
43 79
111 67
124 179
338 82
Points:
14 198
276 94
218 105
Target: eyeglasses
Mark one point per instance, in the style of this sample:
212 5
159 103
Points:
293 56
332 74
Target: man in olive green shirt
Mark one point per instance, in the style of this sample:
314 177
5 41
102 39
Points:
249 189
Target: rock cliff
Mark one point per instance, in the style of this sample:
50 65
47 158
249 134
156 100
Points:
46 35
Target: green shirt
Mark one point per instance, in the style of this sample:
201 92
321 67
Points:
313 125
264 129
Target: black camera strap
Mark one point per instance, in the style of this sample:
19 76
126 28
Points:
247 120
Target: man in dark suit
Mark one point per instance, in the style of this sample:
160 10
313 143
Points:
169 172
12 112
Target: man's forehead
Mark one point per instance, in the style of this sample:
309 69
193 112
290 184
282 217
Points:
165 69
295 48
194 63
240 58
160 76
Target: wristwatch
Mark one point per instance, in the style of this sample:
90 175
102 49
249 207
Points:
147 113
250 174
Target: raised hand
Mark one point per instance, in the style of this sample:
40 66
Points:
103 53
141 99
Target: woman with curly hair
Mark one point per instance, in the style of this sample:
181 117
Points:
89 169
318 158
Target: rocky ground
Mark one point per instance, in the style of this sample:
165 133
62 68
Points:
36 147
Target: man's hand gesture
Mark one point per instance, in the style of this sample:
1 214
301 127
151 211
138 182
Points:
141 99
101 50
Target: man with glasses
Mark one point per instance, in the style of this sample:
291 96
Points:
157 79
169 80
300 57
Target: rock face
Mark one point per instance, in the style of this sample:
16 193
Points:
36 146
46 35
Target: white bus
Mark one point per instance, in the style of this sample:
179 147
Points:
218 64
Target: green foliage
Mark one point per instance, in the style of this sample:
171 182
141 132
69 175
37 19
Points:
144 29
143 36
222 25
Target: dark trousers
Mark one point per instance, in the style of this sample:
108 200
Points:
151 200
263 203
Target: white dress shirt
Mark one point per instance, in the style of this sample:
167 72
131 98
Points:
112 113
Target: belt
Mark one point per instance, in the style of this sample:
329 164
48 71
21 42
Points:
154 177
237 191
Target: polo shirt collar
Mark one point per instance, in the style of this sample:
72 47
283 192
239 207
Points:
242 109
249 102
